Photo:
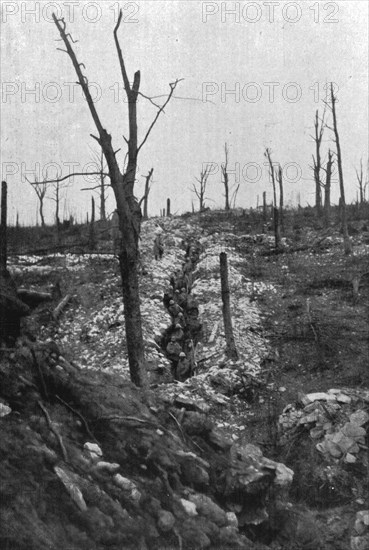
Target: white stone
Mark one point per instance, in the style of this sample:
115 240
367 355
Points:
284 475
350 459
93 449
359 417
124 482
319 396
189 507
4 410
109 466
232 519
342 398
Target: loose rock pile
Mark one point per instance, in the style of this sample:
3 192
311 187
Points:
337 422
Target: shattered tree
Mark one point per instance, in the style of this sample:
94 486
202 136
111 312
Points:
101 186
145 198
201 189
225 177
122 183
276 221
327 188
40 189
360 180
279 176
346 238
317 162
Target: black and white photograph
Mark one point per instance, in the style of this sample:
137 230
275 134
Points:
184 275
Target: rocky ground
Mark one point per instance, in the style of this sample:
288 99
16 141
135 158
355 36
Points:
271 449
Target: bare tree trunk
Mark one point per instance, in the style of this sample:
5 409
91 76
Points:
202 180
40 190
57 204
226 191
317 162
92 240
225 177
128 208
281 197
360 176
132 315
3 227
271 170
231 350
146 195
277 231
41 210
346 238
168 207
277 228
327 189
102 189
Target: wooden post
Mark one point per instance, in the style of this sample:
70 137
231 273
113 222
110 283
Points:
168 207
231 350
3 227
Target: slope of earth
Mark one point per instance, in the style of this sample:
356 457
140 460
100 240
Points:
186 439
90 462
314 309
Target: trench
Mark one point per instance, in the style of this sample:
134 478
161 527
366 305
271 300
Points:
179 340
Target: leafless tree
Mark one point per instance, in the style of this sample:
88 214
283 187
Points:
268 156
200 190
56 197
101 187
145 198
225 177
279 178
319 125
234 196
122 182
40 189
276 221
327 188
230 202
332 107
360 179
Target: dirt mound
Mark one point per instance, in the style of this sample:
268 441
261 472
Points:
89 462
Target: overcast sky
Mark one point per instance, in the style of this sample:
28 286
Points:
276 58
